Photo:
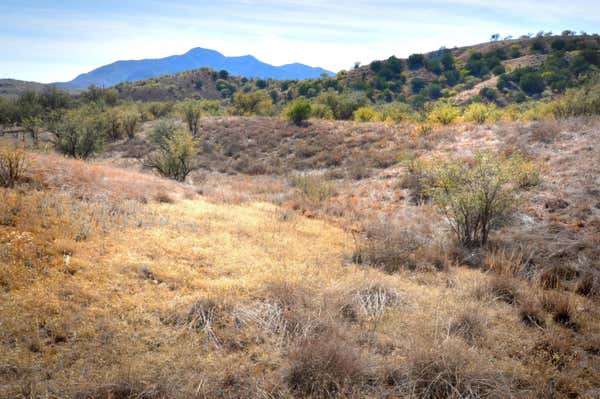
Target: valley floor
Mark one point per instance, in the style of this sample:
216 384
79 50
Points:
118 284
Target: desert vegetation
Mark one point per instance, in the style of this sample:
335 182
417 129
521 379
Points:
327 244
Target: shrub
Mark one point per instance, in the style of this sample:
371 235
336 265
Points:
13 163
130 122
254 103
298 111
450 370
321 111
444 114
191 112
387 245
474 194
531 314
81 133
532 83
561 308
468 324
176 159
576 102
163 131
313 188
324 367
479 113
33 125
114 125
367 114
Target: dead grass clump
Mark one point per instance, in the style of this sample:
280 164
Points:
13 164
451 370
370 302
387 245
554 276
531 314
499 288
124 390
469 325
589 284
204 315
326 366
561 308
545 131
164 198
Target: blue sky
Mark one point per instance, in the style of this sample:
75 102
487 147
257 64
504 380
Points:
56 40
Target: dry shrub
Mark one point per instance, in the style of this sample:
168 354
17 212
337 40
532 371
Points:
388 245
589 284
370 301
562 309
468 324
556 275
124 390
531 313
545 131
164 198
499 288
415 179
504 262
326 365
13 164
204 315
451 370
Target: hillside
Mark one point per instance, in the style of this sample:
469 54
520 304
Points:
116 283
14 88
501 72
245 66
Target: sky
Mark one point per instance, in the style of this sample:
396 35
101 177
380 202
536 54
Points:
56 40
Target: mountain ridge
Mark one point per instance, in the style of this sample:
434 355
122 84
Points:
246 65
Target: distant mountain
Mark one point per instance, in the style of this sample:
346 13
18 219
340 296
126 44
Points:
246 66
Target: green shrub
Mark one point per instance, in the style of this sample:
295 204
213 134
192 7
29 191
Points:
474 194
576 102
163 131
254 103
367 114
444 114
80 133
479 113
298 111
191 110
130 122
176 159
321 111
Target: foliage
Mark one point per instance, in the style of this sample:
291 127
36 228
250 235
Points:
192 111
163 131
254 103
367 114
298 111
80 133
444 114
479 113
581 101
130 122
176 158
474 194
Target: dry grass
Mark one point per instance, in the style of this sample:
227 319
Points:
120 284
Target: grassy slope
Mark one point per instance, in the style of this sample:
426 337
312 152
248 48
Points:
118 314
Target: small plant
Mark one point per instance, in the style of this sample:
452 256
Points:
531 314
176 158
479 113
298 111
13 164
313 188
130 122
191 112
468 324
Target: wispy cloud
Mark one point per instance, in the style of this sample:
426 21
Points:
50 41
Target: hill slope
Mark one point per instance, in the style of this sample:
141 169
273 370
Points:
248 66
